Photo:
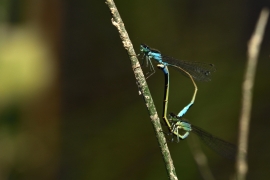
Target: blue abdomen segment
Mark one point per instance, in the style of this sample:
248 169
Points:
156 56
184 110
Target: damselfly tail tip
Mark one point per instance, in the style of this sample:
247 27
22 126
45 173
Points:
161 66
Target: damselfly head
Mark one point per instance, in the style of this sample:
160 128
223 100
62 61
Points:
144 48
173 117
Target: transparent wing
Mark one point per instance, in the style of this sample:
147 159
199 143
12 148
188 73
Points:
220 146
198 70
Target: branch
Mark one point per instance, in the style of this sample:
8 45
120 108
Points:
253 51
200 159
143 88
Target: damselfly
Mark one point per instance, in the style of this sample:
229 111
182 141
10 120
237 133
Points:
194 70
176 124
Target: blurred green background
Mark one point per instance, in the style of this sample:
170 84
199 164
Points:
69 103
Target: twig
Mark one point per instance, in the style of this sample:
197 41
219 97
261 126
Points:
253 51
200 158
143 88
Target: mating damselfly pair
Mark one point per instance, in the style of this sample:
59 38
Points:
195 71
